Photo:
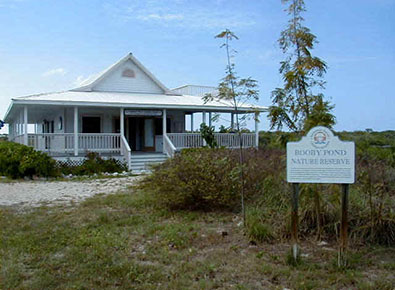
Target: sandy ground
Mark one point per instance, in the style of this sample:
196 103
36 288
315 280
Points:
36 193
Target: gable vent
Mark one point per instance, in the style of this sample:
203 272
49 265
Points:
128 73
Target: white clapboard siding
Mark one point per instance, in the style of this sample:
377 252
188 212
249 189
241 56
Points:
194 90
115 82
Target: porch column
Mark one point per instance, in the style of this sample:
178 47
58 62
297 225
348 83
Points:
191 122
232 121
256 129
25 138
204 121
164 128
75 131
122 122
209 119
10 131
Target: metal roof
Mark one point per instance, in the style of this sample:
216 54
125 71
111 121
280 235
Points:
130 99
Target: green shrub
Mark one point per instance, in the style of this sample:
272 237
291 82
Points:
258 227
18 161
93 164
208 179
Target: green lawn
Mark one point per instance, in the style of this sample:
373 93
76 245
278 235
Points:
122 241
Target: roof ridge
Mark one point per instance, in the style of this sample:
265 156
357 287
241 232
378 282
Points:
99 77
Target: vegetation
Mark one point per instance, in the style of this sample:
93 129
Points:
297 106
18 161
208 179
122 241
236 91
208 135
203 179
139 240
93 164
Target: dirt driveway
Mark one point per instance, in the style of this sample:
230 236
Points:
35 193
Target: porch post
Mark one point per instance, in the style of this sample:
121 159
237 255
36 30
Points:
209 119
191 122
164 128
256 129
10 131
25 138
232 121
122 122
75 131
204 121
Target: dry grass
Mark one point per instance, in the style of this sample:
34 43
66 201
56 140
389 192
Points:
123 242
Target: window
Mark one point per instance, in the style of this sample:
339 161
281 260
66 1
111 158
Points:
91 124
128 73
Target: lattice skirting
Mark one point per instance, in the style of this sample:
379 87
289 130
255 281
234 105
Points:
80 160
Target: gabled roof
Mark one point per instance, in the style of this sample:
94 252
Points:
89 84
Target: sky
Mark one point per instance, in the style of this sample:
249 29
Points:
52 45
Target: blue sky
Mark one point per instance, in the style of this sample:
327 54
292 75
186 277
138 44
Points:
52 45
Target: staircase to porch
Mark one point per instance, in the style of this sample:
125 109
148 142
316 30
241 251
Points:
140 161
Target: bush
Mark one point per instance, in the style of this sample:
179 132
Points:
18 161
208 179
93 164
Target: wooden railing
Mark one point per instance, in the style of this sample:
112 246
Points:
17 139
232 140
195 140
186 140
51 142
126 151
104 142
61 143
168 146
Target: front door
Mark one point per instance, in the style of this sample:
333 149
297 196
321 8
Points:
141 135
149 134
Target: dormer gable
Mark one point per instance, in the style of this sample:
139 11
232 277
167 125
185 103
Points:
128 76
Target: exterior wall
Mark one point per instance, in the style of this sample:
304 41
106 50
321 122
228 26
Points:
141 83
177 121
193 90
106 116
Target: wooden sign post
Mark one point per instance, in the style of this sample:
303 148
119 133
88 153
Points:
320 157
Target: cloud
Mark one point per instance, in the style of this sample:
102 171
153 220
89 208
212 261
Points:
82 80
159 17
180 13
56 71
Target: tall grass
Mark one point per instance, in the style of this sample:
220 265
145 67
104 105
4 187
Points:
204 179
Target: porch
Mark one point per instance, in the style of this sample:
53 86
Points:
72 132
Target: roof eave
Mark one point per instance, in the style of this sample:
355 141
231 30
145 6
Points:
135 105
7 114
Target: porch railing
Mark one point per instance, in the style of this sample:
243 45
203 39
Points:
126 151
60 143
168 146
104 142
195 140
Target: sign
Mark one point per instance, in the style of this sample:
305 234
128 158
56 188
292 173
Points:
143 113
320 157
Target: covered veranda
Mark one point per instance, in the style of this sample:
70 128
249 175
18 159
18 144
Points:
62 129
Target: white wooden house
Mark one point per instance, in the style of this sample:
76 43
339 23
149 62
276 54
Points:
125 112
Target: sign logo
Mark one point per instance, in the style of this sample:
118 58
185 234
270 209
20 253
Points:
320 139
